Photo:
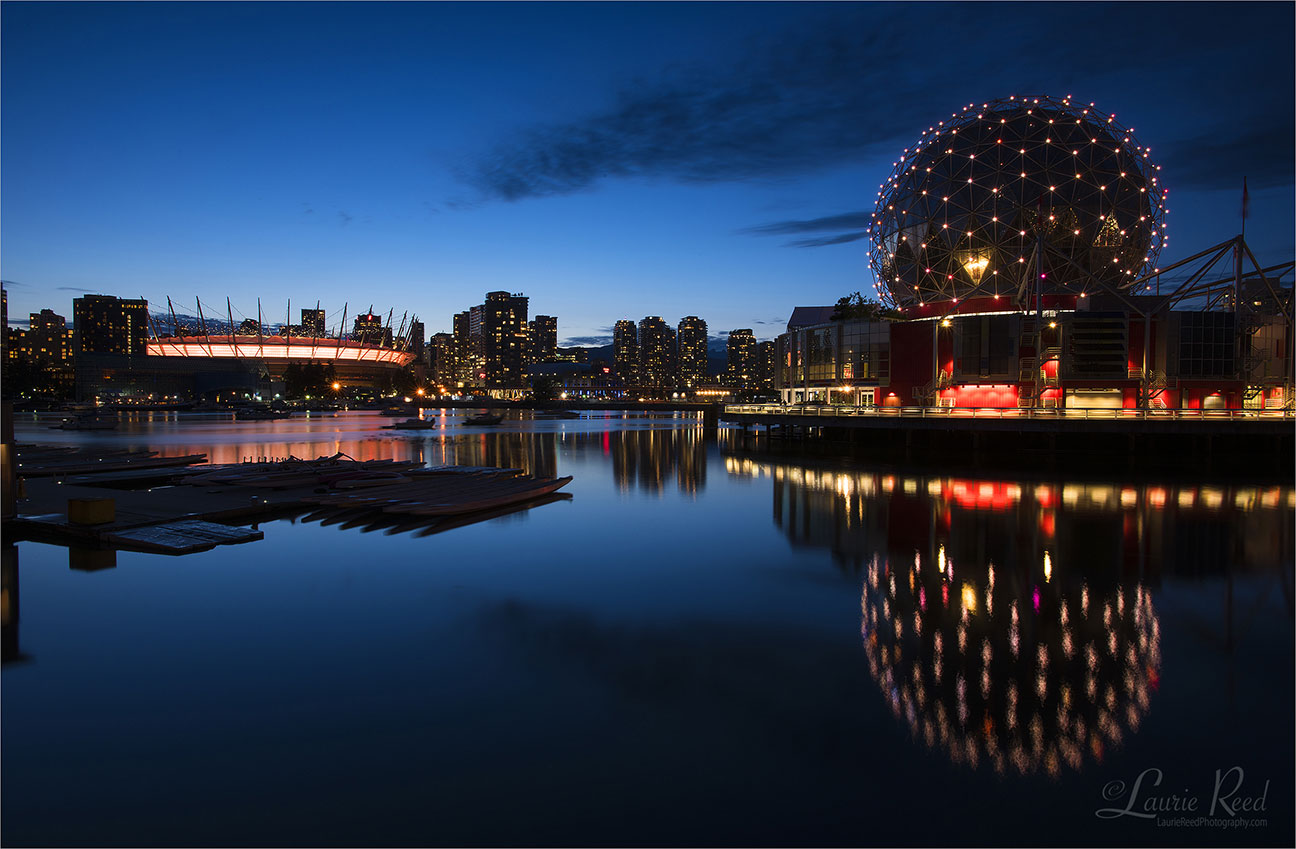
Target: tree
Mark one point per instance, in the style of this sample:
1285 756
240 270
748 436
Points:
857 307
544 388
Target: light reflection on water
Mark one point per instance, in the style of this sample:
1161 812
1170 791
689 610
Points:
684 634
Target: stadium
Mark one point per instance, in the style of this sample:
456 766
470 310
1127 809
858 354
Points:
371 353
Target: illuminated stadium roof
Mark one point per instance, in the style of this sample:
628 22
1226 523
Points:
278 349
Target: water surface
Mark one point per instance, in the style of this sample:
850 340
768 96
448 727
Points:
710 642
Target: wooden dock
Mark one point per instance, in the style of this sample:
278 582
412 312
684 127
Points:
172 505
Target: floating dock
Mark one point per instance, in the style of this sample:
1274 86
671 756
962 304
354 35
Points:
176 505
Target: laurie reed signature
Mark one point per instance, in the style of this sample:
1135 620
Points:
1230 797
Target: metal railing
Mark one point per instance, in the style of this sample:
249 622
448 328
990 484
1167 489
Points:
844 411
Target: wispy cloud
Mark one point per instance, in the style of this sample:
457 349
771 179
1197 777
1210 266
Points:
812 225
827 240
587 341
852 86
344 217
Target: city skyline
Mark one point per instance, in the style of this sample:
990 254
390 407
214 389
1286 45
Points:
673 160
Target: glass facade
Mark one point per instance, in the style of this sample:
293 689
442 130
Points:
839 354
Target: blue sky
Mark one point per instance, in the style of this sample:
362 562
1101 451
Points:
608 160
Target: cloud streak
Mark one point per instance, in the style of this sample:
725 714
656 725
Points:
850 88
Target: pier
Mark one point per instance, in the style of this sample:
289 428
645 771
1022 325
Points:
1196 436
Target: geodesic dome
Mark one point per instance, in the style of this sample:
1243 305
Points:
968 208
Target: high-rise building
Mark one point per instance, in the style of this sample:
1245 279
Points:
441 360
49 341
741 372
466 367
497 334
544 338
370 330
766 364
692 340
312 323
417 340
625 352
103 324
656 353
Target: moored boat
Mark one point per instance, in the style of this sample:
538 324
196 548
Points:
412 424
260 415
484 419
88 421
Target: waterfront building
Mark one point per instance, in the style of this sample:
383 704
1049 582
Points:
741 370
692 340
657 369
625 351
497 339
103 324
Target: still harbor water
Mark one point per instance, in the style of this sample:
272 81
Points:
713 641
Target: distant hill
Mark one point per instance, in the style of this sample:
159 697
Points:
717 354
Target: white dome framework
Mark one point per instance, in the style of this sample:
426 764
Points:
1015 191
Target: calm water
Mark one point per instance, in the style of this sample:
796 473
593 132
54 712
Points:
710 642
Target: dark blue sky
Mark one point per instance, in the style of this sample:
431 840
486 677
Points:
608 160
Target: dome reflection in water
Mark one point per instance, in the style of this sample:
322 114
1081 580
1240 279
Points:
1020 671
1011 624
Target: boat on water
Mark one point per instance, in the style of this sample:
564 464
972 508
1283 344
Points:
88 421
484 419
557 414
413 424
391 412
